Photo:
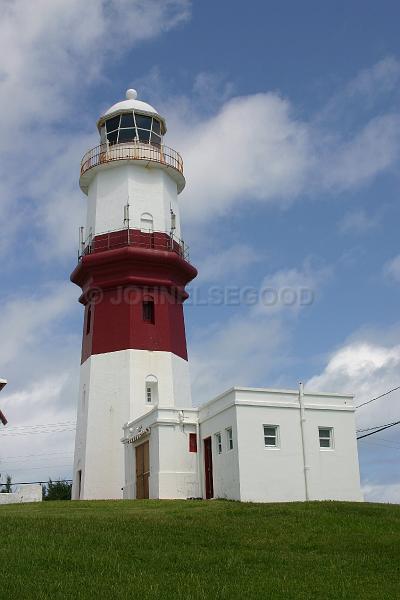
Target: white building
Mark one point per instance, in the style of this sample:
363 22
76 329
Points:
261 445
247 444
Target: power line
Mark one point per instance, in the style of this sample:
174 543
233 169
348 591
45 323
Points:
30 482
32 455
40 425
37 432
378 430
375 427
35 468
377 397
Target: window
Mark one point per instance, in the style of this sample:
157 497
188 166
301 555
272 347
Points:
127 120
112 124
126 135
271 439
88 319
325 437
130 126
148 311
146 223
229 438
143 122
192 442
218 442
149 395
151 390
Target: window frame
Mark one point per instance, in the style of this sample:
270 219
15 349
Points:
89 319
155 137
149 394
330 438
229 438
148 304
277 437
218 442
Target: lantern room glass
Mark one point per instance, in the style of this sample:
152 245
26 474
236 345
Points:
132 127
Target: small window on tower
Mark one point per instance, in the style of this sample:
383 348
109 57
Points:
148 311
151 390
88 319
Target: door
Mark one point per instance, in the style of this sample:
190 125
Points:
142 471
208 467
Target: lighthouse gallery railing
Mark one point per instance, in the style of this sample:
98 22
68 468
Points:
131 151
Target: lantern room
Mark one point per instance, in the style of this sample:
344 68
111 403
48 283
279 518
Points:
131 121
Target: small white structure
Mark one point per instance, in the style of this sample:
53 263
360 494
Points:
261 445
31 492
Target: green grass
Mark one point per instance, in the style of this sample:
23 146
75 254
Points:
195 549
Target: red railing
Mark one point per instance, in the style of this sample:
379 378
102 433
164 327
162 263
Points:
132 151
155 240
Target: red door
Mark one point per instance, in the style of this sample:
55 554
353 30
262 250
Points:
208 467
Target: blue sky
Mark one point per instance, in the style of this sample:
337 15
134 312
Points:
288 119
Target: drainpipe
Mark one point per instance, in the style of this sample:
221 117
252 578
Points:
304 441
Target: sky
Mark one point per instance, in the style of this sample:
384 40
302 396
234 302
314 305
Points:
287 116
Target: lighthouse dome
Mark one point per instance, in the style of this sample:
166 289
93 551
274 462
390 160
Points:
131 119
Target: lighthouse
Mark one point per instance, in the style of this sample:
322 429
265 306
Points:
132 270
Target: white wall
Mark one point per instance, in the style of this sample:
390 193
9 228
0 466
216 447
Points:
225 465
149 190
115 394
31 492
257 473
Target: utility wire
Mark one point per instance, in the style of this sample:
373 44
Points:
377 397
36 432
31 455
41 425
376 427
378 430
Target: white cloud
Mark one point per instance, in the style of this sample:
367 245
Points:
371 150
227 263
389 493
252 346
240 352
257 148
52 52
26 321
39 355
291 290
253 148
368 365
392 269
357 222
364 90
367 368
380 78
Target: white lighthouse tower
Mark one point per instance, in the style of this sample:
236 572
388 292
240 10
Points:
133 269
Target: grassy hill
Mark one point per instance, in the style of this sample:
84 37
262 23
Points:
195 549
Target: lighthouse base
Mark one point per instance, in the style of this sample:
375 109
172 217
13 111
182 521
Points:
117 387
